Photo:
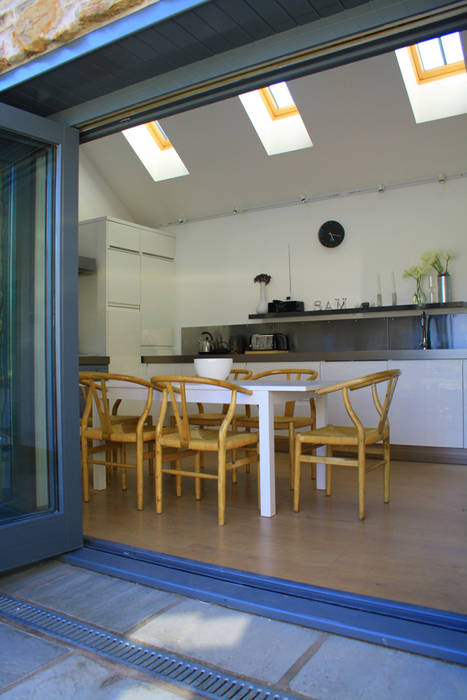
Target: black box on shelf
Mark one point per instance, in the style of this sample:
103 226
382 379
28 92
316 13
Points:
277 306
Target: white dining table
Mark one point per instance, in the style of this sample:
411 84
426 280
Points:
266 393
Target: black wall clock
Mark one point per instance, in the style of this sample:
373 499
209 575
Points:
331 234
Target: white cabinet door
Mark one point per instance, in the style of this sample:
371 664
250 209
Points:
333 372
156 243
123 235
427 408
123 340
123 270
157 302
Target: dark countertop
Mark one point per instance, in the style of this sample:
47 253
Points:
94 360
349 356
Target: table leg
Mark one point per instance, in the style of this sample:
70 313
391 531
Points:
99 477
266 454
321 419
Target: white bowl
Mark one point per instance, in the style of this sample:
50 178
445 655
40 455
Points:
213 367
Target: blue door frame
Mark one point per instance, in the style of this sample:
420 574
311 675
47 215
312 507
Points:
27 536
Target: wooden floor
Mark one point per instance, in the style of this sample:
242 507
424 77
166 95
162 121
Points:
412 550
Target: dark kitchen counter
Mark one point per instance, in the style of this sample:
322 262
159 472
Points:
344 356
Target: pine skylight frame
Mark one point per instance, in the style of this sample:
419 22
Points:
276 112
425 76
159 137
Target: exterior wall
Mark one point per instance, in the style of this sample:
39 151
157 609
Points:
31 28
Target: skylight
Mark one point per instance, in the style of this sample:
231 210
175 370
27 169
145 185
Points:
154 149
435 77
276 119
278 100
438 58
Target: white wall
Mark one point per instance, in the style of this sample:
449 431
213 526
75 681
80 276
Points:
95 196
218 259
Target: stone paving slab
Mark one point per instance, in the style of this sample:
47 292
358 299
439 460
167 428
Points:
244 644
22 653
105 601
82 678
347 669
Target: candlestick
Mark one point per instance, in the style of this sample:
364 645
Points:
379 297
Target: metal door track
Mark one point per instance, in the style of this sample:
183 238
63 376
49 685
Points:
200 678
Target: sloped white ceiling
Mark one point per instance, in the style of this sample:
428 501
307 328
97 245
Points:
361 125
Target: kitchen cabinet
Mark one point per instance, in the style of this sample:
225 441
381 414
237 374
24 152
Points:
123 277
126 308
157 305
427 408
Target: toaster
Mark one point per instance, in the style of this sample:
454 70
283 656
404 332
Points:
268 341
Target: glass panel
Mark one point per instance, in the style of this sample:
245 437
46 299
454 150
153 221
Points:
27 411
452 47
281 95
431 54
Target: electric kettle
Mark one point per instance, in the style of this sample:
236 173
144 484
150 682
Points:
206 343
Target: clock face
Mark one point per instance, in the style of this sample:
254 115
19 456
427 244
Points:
331 234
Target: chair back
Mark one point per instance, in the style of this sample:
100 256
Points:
97 400
239 374
387 377
175 390
292 374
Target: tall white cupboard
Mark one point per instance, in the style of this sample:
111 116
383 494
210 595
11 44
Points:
127 307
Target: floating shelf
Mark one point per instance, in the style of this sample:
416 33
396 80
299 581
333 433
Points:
401 309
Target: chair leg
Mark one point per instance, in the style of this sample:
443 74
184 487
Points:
178 479
361 480
291 454
387 470
85 469
139 475
123 479
296 487
328 471
221 487
158 479
197 480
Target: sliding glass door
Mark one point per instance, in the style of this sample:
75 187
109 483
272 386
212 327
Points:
39 459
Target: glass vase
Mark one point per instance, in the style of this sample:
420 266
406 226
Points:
419 297
262 306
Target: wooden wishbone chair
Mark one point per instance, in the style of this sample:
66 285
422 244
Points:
112 434
218 439
288 420
356 436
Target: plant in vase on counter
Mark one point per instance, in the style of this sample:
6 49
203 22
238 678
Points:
263 278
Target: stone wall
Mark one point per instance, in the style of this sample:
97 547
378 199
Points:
29 28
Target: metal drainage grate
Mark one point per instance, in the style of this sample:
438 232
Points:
200 678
